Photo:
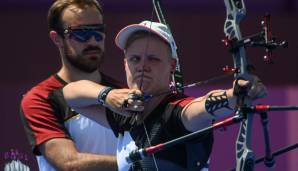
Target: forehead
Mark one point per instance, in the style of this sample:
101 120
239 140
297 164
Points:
73 16
145 37
149 44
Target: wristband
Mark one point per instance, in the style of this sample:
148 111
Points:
101 98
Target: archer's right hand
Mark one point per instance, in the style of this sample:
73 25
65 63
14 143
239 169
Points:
125 101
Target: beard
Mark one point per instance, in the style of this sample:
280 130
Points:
81 62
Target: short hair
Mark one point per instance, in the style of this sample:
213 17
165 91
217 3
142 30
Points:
142 34
54 14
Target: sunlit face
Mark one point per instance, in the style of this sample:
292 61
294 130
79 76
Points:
148 65
85 56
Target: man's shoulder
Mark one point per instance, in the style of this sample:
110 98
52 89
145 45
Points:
41 90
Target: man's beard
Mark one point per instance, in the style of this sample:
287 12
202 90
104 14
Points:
81 62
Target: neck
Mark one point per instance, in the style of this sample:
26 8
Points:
71 75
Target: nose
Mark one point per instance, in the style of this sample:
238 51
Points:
143 65
94 41
96 38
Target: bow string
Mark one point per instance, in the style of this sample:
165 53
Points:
177 80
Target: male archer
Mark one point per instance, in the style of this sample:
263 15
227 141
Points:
150 60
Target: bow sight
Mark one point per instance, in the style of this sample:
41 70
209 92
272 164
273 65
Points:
261 39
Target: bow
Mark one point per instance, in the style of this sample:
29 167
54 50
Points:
236 11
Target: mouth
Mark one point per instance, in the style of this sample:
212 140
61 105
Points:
92 55
142 77
92 52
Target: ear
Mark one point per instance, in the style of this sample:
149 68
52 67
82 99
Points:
173 65
56 38
125 62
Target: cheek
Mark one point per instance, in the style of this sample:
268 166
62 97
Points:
129 79
163 77
163 70
130 68
127 71
102 43
75 46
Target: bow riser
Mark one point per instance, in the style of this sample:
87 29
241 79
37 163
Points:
235 13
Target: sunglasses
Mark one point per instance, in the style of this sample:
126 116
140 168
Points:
84 33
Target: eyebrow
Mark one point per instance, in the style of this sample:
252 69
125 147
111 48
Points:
89 27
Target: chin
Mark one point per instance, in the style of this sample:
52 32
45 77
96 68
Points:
148 91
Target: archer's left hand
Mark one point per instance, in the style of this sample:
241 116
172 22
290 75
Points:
253 85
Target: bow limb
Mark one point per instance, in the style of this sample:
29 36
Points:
177 79
235 13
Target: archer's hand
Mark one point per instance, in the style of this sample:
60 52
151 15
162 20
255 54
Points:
255 88
125 101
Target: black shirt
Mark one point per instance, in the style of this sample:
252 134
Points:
162 125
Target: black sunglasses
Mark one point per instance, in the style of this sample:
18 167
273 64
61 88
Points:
83 33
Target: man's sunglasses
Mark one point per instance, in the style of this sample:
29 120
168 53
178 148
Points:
84 33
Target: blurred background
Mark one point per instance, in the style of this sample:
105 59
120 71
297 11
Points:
28 57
